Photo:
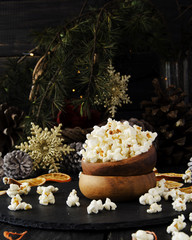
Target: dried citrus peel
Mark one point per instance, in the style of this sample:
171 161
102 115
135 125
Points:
169 176
152 233
57 177
7 235
33 181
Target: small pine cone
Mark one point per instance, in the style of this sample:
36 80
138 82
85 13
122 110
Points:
71 162
1 167
17 164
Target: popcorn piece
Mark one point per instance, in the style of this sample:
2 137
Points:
174 194
180 236
17 204
147 199
116 141
179 205
190 216
187 177
142 235
73 199
50 188
95 206
108 205
154 208
177 225
15 189
46 196
155 192
25 188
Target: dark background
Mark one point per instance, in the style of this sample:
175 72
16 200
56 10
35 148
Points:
20 19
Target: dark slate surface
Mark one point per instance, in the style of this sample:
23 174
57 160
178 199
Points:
61 217
120 224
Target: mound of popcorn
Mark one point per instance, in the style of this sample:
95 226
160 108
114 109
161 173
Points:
116 141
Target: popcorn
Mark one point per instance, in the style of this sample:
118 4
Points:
15 189
142 235
154 208
108 205
180 236
46 196
146 199
187 177
179 204
116 141
17 204
95 206
190 216
177 225
25 188
152 196
73 199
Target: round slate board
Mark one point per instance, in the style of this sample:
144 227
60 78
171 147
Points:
61 217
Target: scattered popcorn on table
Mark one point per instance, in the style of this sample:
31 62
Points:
190 216
180 236
15 189
116 141
146 199
46 196
187 177
25 188
17 204
95 206
73 199
142 235
177 225
179 204
108 205
154 208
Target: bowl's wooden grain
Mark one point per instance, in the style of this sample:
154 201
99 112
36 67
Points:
138 165
117 188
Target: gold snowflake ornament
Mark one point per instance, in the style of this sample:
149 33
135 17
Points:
116 93
45 147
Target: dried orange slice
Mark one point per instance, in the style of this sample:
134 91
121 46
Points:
34 181
169 176
173 184
56 177
2 192
186 189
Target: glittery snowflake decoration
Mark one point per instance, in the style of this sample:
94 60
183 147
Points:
45 147
116 93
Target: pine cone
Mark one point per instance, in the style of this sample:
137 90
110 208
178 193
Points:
17 164
171 118
71 162
10 129
1 167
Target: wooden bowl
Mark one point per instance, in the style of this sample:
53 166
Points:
138 165
117 188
